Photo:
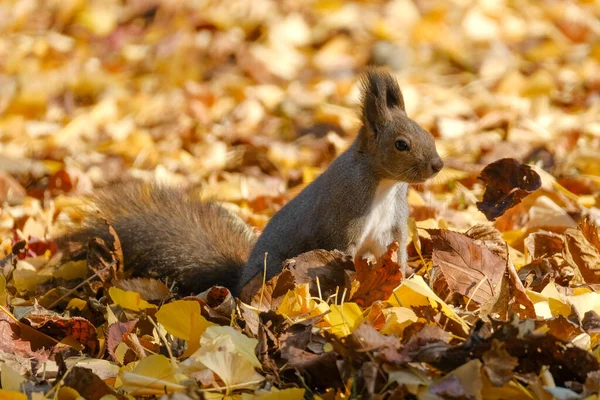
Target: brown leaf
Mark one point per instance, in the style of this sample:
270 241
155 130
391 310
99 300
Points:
10 189
149 289
88 385
471 270
591 322
69 180
592 384
533 351
377 281
13 341
115 335
544 244
590 226
368 338
507 183
450 388
321 370
270 295
80 329
581 254
499 364
491 237
326 266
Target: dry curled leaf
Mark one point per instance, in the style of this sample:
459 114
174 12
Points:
323 268
89 385
507 182
80 329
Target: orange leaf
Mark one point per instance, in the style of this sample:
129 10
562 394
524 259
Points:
377 281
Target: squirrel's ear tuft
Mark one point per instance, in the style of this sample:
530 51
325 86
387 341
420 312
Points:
380 94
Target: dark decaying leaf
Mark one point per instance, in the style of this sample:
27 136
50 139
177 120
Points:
507 183
322 266
534 351
467 268
450 388
498 364
591 322
319 371
88 385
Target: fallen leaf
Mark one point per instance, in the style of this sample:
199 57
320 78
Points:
471 270
498 364
129 300
230 355
77 328
343 319
182 319
580 253
269 296
11 380
298 303
88 385
507 183
115 334
414 292
377 281
149 289
153 375
323 268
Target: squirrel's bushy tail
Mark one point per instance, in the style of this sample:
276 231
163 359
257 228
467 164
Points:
165 234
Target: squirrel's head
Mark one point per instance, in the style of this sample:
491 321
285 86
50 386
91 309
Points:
400 148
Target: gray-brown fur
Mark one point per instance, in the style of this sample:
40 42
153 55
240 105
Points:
165 234
331 213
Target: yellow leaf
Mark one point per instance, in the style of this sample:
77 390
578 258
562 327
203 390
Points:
99 20
129 300
67 393
11 380
275 394
415 292
230 355
3 294
298 302
176 317
182 319
153 375
585 302
344 319
72 270
76 303
7 395
397 319
27 280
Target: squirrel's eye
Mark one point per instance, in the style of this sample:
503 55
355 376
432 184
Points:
401 145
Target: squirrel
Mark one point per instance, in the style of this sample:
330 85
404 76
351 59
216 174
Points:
358 205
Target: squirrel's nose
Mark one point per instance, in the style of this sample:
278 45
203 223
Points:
437 165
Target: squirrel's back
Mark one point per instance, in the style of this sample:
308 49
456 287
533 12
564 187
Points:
165 234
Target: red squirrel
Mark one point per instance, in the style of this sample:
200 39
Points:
358 205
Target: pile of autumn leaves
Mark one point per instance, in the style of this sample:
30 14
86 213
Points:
463 323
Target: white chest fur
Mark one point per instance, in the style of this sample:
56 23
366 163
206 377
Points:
386 220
